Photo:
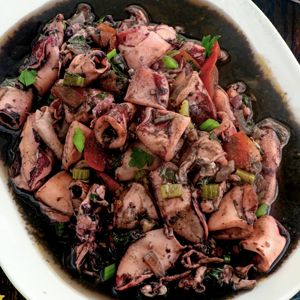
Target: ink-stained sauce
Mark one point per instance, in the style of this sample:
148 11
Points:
243 65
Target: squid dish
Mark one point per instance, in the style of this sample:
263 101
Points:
156 174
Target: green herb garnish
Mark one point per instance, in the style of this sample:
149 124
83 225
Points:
92 196
208 44
8 82
139 158
28 77
179 37
78 40
60 228
102 95
51 97
78 139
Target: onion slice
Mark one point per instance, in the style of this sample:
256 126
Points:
154 264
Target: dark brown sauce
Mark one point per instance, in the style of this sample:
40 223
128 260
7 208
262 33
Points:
197 21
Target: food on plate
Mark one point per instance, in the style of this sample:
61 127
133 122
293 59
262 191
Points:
157 173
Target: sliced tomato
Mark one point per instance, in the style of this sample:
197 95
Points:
241 149
111 183
94 154
209 72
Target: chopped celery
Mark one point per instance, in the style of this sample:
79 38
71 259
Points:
245 176
141 176
171 190
184 108
210 191
185 111
81 174
73 80
262 210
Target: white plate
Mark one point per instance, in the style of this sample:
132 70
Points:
31 269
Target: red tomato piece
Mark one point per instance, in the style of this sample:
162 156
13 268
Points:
94 154
241 149
208 72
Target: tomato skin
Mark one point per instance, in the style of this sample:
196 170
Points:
208 74
111 183
242 151
94 154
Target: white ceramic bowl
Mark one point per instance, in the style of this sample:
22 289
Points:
32 270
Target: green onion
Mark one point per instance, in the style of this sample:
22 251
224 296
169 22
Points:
210 191
245 176
209 125
109 272
78 139
226 258
111 54
141 176
185 111
28 77
173 53
170 62
171 190
262 210
167 173
81 174
184 108
73 80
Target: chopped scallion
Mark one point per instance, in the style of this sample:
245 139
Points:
245 176
141 176
209 125
171 190
262 210
78 139
170 62
109 272
210 191
185 111
73 80
111 54
81 174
